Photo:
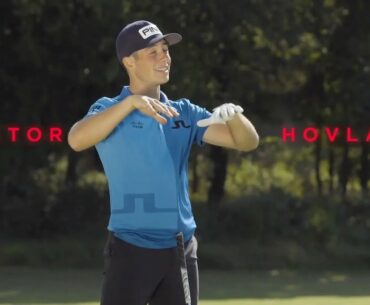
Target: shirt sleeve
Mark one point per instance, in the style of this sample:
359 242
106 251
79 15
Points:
99 106
196 114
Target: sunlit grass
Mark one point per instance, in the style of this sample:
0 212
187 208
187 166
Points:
295 301
330 300
275 287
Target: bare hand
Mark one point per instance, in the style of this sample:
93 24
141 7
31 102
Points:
153 108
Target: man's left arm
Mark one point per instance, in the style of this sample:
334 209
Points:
228 127
236 133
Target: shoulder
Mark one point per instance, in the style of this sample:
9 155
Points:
181 102
190 107
184 104
106 101
101 104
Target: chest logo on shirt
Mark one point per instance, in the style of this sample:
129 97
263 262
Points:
95 109
137 124
179 124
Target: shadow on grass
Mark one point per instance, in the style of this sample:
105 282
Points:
35 286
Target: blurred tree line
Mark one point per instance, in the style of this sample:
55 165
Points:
299 63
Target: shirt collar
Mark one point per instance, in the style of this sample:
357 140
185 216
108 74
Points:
126 92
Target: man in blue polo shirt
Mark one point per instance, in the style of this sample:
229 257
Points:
144 140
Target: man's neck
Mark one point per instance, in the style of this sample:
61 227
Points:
153 92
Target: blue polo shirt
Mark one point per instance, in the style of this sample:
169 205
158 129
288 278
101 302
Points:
146 165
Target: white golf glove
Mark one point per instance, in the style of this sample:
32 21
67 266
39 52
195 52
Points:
221 114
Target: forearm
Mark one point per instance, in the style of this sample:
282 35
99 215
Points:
243 133
91 130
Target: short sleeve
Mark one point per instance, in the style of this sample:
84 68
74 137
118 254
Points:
196 114
99 106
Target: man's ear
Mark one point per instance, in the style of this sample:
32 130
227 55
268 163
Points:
128 62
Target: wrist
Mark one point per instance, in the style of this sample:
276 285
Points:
130 102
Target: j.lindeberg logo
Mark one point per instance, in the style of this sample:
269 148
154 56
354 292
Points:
180 123
137 124
149 30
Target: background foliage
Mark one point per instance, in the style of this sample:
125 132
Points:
288 63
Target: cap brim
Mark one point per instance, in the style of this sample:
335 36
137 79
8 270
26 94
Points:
171 39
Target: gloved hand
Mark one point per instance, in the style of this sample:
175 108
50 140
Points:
221 114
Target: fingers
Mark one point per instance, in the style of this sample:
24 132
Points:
239 109
155 106
231 112
173 111
165 109
155 109
221 114
217 113
227 111
160 119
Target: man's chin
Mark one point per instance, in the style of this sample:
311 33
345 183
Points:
164 81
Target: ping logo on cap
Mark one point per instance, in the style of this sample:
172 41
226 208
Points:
149 30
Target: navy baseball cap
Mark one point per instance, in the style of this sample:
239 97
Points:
139 35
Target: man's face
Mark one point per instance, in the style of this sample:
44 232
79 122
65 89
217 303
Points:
152 64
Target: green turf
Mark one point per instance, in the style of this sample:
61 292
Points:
81 287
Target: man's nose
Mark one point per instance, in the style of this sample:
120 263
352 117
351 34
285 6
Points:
164 55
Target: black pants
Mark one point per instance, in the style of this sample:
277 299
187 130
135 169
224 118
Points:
141 276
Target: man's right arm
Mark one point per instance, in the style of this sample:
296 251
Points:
92 130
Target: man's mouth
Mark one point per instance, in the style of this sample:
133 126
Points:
163 69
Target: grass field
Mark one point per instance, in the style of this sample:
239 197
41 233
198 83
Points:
81 287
